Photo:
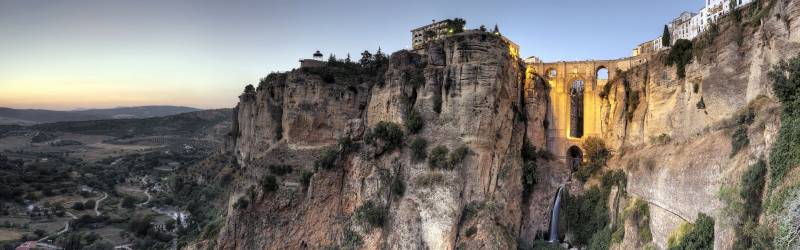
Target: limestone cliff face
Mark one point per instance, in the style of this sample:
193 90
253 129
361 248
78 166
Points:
469 90
298 109
677 152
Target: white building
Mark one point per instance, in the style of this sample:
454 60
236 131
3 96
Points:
689 25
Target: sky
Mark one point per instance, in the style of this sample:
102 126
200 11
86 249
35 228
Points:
65 55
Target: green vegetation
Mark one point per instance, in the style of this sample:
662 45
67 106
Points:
413 121
596 154
241 203
398 186
371 213
601 240
419 147
615 177
529 156
428 180
528 179
437 158
269 184
457 156
387 136
587 215
666 37
749 234
437 102
698 236
305 178
639 210
661 139
351 239
280 169
370 70
327 160
632 104
739 140
456 25
680 55
785 153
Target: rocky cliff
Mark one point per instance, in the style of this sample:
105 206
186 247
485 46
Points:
425 149
676 146
470 93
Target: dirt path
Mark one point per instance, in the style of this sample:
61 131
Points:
66 228
149 197
97 204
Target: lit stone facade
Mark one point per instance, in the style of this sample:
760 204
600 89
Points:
437 29
563 77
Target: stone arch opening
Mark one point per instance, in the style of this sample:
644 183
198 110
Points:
601 73
551 73
574 157
576 109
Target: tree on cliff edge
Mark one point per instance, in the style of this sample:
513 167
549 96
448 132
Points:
666 37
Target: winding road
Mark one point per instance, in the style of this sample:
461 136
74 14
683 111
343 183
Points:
97 205
149 197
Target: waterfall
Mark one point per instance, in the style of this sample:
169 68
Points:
554 216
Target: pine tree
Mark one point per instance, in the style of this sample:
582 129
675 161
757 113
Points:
496 31
666 38
366 57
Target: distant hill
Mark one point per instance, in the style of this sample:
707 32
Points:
190 124
36 116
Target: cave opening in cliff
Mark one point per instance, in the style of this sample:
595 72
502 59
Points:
576 109
575 157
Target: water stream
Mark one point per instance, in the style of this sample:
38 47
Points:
554 216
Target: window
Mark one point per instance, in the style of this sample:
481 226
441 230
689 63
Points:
576 109
552 73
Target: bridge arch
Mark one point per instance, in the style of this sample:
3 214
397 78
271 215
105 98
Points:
574 157
601 73
551 73
576 99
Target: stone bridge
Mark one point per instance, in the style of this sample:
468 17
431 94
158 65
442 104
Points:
575 106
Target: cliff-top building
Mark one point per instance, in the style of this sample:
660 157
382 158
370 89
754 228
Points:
314 62
689 25
433 31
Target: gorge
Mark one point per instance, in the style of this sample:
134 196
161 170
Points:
463 145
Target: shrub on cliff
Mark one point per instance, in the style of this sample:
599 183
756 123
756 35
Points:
372 214
419 147
413 121
457 156
269 184
528 179
586 215
749 235
398 186
596 154
305 178
785 153
680 55
437 158
279 169
386 136
698 236
241 203
327 160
